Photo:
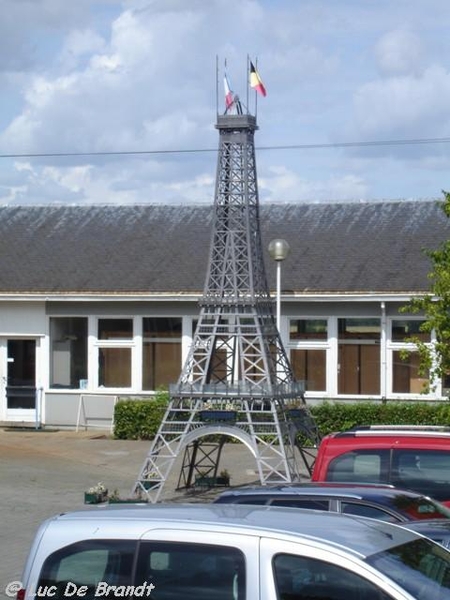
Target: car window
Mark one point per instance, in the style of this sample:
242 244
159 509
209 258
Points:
86 569
425 471
191 571
244 500
304 578
312 503
421 567
368 466
363 510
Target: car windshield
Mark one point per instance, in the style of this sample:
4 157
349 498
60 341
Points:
421 567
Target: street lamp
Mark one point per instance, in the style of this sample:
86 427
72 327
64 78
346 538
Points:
278 250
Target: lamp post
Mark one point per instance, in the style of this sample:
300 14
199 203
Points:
278 250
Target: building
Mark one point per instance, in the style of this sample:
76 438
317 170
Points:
103 299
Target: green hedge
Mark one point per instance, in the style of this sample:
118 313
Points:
339 416
139 419
136 419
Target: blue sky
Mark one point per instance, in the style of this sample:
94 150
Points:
140 75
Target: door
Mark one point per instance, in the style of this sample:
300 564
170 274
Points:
20 380
359 369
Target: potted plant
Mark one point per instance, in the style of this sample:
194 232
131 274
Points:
223 479
152 480
204 479
115 498
96 494
218 413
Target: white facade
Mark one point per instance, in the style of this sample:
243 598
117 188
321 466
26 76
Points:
351 352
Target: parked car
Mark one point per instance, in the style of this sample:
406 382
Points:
437 530
200 552
409 457
383 502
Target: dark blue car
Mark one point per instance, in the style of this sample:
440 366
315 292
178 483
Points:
376 501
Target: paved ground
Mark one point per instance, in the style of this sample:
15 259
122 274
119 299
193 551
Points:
44 472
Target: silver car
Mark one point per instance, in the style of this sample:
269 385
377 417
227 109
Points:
230 552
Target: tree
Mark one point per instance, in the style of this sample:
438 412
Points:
434 360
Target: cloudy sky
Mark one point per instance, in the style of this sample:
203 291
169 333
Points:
136 80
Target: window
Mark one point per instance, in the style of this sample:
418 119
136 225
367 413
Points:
403 329
405 374
308 329
308 342
359 356
370 466
363 510
192 571
68 350
311 503
419 566
405 359
115 339
304 578
310 366
425 471
161 353
89 563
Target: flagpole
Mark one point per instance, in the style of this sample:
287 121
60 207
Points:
217 85
248 83
256 94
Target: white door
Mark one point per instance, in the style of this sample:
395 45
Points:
19 379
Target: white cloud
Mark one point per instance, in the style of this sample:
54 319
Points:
125 75
399 53
282 185
405 105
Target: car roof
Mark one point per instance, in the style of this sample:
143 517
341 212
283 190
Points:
424 431
435 525
361 537
380 493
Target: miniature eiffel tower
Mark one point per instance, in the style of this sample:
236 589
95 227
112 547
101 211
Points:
237 381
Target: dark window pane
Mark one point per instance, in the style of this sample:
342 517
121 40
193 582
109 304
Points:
371 466
310 366
162 327
114 367
359 329
405 374
193 571
115 329
361 510
68 343
406 328
161 364
304 578
308 329
87 563
314 504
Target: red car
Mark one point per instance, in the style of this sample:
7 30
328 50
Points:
408 457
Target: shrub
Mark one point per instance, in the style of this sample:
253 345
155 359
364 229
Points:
139 419
339 416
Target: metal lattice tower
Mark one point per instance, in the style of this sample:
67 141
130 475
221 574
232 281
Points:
237 365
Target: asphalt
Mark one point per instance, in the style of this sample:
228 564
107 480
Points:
45 472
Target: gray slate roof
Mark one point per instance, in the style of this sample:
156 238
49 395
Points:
347 247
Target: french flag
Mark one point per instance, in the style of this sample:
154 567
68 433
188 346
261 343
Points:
229 96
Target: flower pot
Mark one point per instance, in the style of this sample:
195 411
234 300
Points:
204 481
95 497
296 413
126 501
148 484
218 416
